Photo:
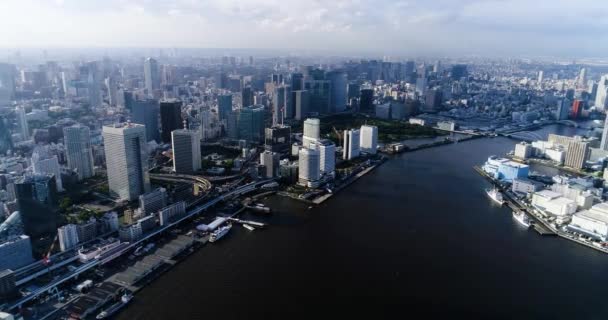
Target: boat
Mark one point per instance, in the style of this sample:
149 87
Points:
248 227
124 300
522 218
219 233
495 195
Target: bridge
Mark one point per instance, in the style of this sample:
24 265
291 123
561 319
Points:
200 182
568 123
524 135
52 287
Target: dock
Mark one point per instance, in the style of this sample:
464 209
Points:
252 223
542 230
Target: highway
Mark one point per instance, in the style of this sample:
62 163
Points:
87 266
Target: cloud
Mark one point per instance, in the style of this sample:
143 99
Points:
405 26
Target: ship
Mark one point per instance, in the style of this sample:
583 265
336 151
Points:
495 195
248 227
124 300
522 218
219 233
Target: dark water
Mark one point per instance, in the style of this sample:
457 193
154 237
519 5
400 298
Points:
416 238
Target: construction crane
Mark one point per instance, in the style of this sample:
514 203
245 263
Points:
338 135
46 260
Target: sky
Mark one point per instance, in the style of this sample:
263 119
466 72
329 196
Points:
408 27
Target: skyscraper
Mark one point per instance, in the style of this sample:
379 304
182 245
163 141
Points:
224 106
338 99
604 141
68 237
319 95
301 104
45 163
151 75
602 91
146 112
351 144
37 201
278 139
576 154
563 109
77 142
7 83
366 102
582 78
327 155
458 71
6 141
246 96
281 108
312 131
153 201
15 252
170 118
308 163
270 161
186 151
250 123
126 160
22 120
369 139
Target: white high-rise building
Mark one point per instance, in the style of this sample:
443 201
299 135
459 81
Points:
312 131
186 151
308 163
604 141
22 120
77 142
600 97
369 139
151 75
45 163
68 237
270 160
351 148
327 155
540 77
126 160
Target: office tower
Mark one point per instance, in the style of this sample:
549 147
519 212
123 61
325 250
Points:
45 163
224 106
297 81
90 75
604 141
600 97
127 99
270 161
281 107
250 124
576 154
369 139
112 89
577 108
301 104
319 95
276 78
582 78
15 252
308 163
563 109
7 83
146 112
153 201
421 83
68 237
458 71
246 97
37 200
151 75
126 160
278 139
232 125
77 142
170 118
353 90
87 231
351 144
338 98
327 155
312 131
366 101
6 141
22 121
540 77
433 100
186 151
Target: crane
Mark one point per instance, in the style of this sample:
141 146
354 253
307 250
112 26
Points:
338 135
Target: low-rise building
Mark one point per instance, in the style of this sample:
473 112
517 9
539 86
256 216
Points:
592 222
523 185
523 150
553 203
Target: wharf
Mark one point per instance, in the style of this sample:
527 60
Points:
542 230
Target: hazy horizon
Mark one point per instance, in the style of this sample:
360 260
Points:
558 28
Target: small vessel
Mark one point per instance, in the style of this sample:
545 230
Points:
219 233
495 195
124 300
522 218
248 227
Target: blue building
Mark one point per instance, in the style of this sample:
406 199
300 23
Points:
510 170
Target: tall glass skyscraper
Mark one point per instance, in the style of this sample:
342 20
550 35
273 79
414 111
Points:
77 140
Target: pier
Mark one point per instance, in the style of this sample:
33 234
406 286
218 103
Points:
253 223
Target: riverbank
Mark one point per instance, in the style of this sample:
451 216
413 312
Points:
539 217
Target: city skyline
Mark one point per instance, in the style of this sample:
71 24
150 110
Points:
484 27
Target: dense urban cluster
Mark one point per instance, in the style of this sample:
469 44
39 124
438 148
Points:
98 156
